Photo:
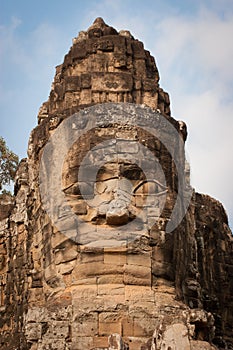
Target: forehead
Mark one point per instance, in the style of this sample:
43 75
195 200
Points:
118 150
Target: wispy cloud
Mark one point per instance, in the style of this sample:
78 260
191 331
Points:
195 56
33 53
27 66
202 42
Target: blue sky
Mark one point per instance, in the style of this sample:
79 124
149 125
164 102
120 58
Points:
193 47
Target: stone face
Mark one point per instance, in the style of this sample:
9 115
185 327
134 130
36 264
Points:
155 289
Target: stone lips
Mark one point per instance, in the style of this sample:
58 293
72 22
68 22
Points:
101 116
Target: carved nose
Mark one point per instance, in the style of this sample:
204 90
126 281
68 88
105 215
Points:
117 212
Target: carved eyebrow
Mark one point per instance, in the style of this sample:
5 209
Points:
150 180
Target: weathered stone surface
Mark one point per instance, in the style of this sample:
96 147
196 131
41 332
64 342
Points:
201 345
116 342
155 290
174 336
120 71
6 205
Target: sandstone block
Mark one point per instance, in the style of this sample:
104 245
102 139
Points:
66 268
111 289
138 275
86 325
100 342
110 279
65 254
109 323
96 269
139 259
201 345
118 82
81 343
142 293
53 344
81 292
58 330
34 331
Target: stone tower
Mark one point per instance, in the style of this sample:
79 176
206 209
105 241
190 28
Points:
88 260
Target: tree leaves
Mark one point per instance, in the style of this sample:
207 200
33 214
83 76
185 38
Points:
8 164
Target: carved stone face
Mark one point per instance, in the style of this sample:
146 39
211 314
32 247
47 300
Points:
111 256
113 189
119 182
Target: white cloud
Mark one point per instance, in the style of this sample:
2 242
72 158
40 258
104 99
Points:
27 65
203 43
195 60
35 53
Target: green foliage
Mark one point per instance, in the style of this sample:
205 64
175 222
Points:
8 164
